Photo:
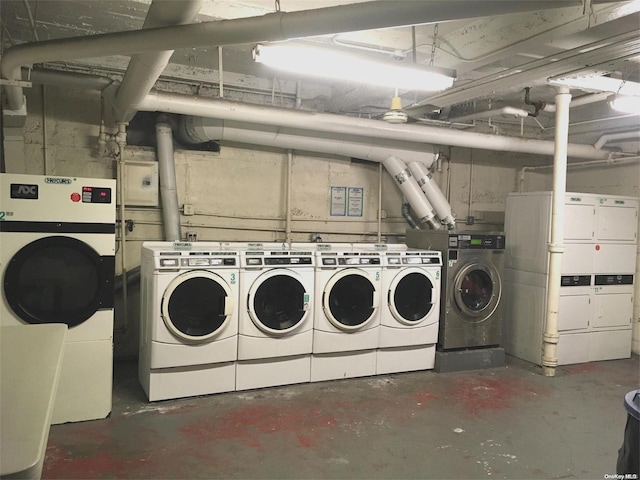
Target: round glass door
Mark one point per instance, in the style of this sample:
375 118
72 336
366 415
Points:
350 300
477 291
58 280
278 302
197 306
411 296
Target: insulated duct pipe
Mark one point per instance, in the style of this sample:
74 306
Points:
196 130
434 194
410 189
144 69
508 111
551 336
325 122
168 190
271 27
608 137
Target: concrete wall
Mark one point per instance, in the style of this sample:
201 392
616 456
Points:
239 193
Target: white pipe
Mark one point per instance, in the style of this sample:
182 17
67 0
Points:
550 336
271 27
287 229
607 137
220 73
168 189
324 122
410 189
509 111
434 194
201 129
580 101
145 68
379 203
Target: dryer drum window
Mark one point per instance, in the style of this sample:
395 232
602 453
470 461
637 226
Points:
279 303
351 300
476 290
58 280
196 307
412 297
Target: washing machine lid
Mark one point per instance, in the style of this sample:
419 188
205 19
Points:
350 299
477 289
197 306
412 294
58 279
278 301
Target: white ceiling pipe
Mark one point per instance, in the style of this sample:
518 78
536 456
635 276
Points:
410 189
364 127
67 80
434 194
510 111
271 27
608 137
144 69
201 129
580 101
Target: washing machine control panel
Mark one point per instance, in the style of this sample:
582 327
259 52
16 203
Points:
414 258
477 241
186 260
278 259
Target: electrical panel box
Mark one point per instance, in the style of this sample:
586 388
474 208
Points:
140 179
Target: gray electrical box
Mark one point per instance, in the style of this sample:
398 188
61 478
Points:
140 179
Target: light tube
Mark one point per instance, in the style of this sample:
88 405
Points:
338 65
626 104
599 83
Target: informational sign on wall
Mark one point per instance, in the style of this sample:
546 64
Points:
347 201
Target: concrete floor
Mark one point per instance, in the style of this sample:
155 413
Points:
508 422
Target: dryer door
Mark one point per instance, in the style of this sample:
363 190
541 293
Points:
197 306
58 279
278 302
350 299
412 295
476 291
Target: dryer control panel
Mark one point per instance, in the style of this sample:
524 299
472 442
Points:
477 241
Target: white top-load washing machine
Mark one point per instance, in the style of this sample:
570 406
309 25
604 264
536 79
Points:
410 310
57 247
276 317
189 319
347 314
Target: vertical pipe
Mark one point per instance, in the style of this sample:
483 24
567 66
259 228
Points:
550 336
121 139
287 229
168 189
48 170
379 203
220 72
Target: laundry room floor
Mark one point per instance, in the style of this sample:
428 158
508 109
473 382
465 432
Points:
508 422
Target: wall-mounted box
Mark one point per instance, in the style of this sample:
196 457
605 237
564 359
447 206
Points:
140 180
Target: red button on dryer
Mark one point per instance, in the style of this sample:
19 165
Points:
597 247
75 197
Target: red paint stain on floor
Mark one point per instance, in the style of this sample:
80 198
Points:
425 397
478 394
250 424
582 368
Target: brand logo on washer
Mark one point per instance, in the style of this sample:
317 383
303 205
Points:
24 191
58 181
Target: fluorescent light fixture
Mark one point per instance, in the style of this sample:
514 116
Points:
337 65
598 84
626 104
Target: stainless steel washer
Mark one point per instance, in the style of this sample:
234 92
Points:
470 304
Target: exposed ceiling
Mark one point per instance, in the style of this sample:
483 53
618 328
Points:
495 58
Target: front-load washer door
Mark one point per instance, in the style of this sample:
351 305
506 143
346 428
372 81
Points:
278 302
58 279
350 299
476 291
197 306
411 296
